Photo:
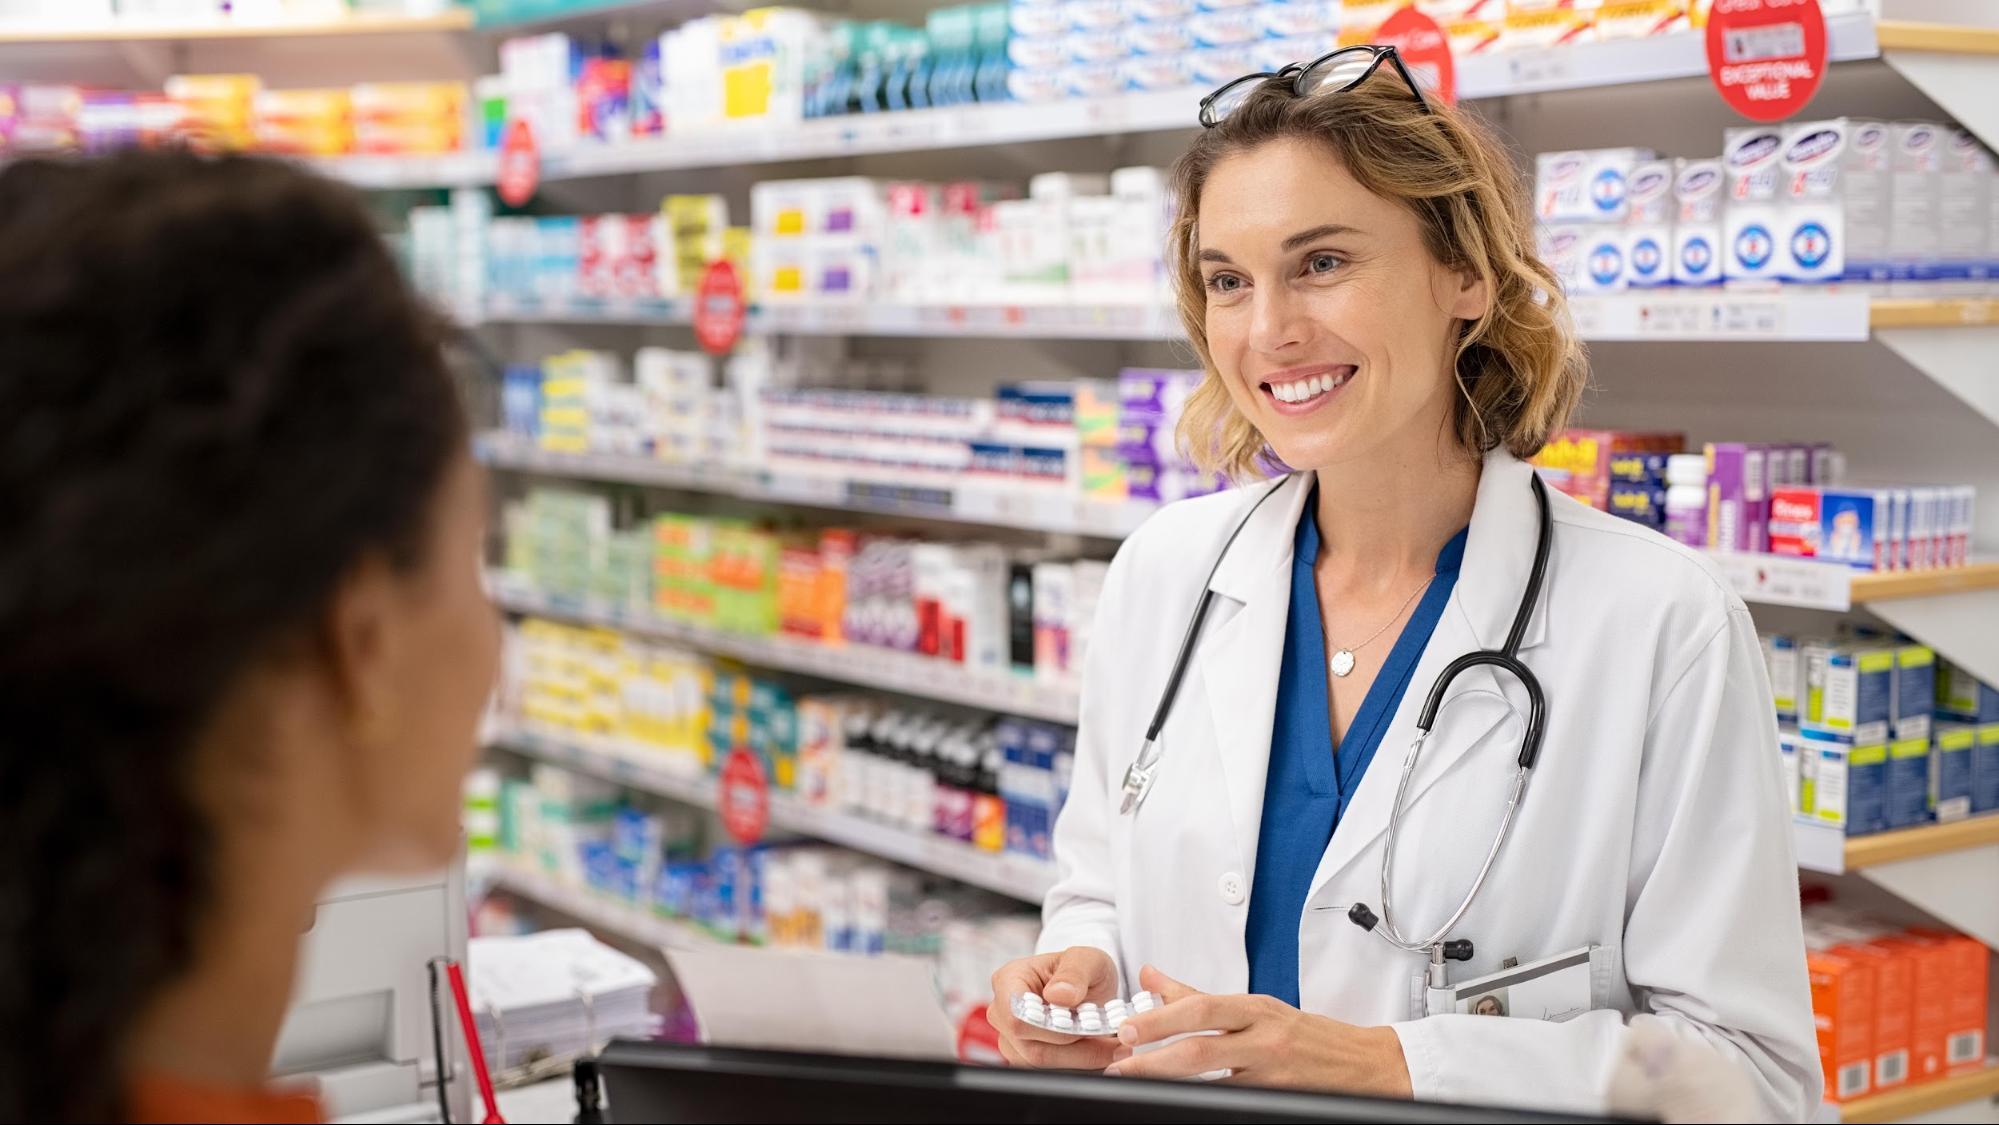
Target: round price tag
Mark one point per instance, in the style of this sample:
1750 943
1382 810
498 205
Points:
1425 50
520 164
719 309
1766 57
744 797
978 1042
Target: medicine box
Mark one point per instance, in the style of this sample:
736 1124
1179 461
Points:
1582 463
1648 232
1963 697
1915 691
1780 657
1794 522
1737 496
1698 194
1848 781
1908 798
1858 695
1931 1008
1843 1002
1835 223
1854 527
1797 783
1752 164
1965 1020
1589 186
1951 752
1915 231
1894 981
1985 770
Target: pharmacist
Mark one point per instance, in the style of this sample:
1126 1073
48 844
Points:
1287 859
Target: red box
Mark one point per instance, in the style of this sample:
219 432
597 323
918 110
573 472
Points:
1970 964
1894 1008
1578 461
1794 521
1843 988
1930 1012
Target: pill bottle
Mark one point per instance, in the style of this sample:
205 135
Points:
1686 499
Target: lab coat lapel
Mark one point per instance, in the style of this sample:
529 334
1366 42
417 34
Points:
1243 649
1499 556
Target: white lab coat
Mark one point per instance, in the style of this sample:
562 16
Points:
1654 823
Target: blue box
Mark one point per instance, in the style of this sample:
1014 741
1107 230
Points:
1639 468
1858 695
1985 770
1963 697
1908 791
1915 691
1849 783
1853 527
1951 751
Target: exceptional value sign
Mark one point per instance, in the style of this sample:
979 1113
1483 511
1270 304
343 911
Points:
1425 50
1767 57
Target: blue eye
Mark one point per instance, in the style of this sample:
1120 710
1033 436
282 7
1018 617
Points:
1224 283
1321 263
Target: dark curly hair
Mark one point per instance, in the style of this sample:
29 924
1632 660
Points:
217 395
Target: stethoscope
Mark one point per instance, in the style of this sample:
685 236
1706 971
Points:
1139 777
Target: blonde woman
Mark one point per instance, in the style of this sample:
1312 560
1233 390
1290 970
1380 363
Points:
1356 269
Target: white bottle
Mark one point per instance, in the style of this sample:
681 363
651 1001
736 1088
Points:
1686 499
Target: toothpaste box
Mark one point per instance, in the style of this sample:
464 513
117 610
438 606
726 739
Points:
1540 26
1698 192
1780 658
1966 251
1915 691
1836 201
1589 186
1827 465
1854 527
1915 230
1648 232
1752 165
1474 37
1849 783
1310 19
1857 699
1737 496
1600 260
1951 752
1224 28
1985 770
1560 248
1908 798
1633 19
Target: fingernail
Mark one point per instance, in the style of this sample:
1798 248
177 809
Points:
1111 1071
1127 1034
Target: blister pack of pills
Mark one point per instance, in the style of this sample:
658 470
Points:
1103 1020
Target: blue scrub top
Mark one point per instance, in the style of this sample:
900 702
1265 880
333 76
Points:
1310 780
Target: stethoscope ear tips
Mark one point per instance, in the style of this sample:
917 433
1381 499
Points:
1361 916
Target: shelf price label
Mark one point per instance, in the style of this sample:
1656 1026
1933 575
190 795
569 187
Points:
1766 57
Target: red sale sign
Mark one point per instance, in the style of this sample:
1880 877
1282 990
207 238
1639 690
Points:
718 308
1767 57
520 164
744 797
1425 50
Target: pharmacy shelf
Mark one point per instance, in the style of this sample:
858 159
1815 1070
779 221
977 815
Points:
443 170
596 909
1808 584
1583 66
1024 509
643 769
133 29
1656 315
1927 1097
1832 852
862 665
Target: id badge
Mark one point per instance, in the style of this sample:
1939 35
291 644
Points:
1555 989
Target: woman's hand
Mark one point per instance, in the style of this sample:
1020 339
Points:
1264 1042
1075 976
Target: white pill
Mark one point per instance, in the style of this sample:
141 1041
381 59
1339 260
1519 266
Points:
1117 1019
1061 1019
1031 998
1144 1002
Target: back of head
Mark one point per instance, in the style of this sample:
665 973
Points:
216 394
1519 368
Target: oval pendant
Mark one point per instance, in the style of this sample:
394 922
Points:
1342 662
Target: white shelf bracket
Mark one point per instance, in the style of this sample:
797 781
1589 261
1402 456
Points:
1962 627
1960 83
1948 886
1963 361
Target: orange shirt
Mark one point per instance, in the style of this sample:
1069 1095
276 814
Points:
156 1098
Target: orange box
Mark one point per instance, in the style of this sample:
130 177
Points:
1930 1011
1843 1009
1894 1008
1970 961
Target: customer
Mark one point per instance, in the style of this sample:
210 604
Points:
243 641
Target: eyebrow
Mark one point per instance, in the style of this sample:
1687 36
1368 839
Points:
1326 230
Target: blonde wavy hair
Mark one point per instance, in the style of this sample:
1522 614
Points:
1519 368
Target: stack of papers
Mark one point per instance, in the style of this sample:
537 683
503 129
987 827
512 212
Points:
557 993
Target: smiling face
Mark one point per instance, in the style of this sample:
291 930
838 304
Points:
1331 326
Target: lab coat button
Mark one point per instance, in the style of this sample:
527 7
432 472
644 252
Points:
1232 889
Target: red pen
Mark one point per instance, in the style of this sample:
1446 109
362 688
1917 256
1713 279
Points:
472 1044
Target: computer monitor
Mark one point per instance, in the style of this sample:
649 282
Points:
646 1081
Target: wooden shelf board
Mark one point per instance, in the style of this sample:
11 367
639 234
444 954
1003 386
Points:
1956 39
1925 583
1925 1097
1929 839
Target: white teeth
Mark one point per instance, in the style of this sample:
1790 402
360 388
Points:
1287 393
1325 383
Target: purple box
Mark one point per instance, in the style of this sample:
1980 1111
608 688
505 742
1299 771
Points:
1738 496
1154 393
1147 478
1152 438
10 114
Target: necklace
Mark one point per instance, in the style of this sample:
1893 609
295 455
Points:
1342 661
